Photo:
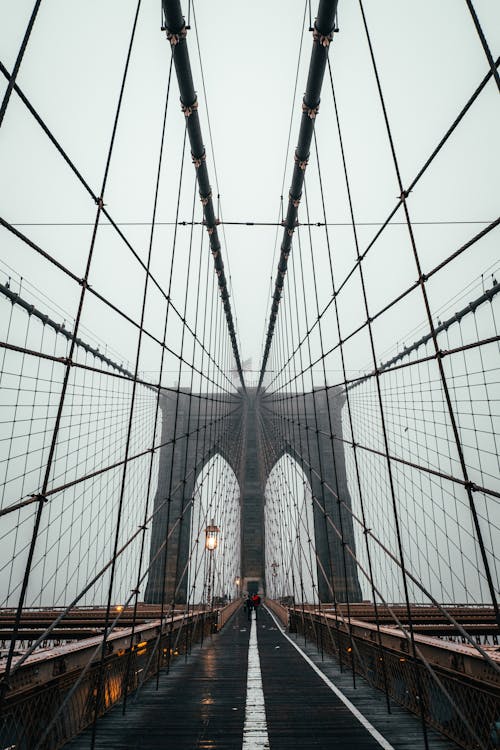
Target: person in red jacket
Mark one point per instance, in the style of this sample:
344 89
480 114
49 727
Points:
256 603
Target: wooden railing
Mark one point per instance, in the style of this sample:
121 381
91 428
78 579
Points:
57 691
458 689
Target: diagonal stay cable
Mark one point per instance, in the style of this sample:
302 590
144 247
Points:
104 212
443 610
425 299
19 59
4 685
388 221
126 544
487 296
484 42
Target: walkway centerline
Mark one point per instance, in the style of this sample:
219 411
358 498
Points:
255 729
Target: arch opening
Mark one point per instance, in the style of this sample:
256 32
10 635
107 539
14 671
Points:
214 561
290 549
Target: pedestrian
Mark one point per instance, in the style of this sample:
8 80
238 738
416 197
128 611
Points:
256 603
249 607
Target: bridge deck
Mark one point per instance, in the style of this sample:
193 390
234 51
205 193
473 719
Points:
202 703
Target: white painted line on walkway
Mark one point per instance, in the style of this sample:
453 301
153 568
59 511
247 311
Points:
255 729
345 700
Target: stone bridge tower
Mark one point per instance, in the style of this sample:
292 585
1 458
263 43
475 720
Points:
251 432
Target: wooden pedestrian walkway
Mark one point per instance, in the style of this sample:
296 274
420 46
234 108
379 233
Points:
215 701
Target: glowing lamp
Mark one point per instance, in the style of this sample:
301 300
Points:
211 537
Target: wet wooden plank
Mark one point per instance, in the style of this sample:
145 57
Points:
201 703
402 729
301 710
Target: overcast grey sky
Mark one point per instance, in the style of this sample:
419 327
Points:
430 60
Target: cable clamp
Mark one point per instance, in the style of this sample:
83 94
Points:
174 39
188 109
210 231
310 112
205 198
100 202
366 531
322 39
404 195
41 498
198 161
290 231
302 163
135 591
295 201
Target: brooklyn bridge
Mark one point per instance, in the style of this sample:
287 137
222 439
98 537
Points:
249 375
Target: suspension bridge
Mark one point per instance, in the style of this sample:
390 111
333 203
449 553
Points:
151 478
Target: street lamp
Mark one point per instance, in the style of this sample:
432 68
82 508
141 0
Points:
211 537
211 544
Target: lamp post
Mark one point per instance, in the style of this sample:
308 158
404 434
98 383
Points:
211 544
